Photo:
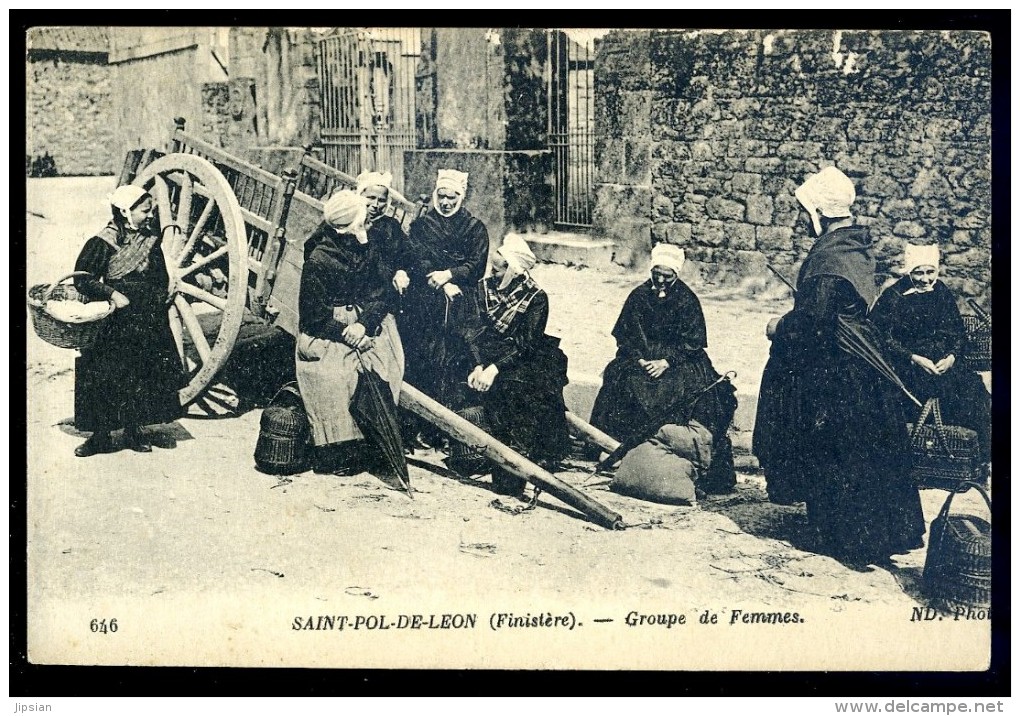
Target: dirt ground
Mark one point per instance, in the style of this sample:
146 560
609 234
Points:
194 523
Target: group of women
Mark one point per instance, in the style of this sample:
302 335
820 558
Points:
831 429
432 309
419 308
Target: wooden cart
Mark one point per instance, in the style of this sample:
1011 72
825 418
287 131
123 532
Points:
233 234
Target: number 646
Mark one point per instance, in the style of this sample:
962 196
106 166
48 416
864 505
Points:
101 626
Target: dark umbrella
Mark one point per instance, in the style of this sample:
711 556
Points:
857 339
644 432
376 415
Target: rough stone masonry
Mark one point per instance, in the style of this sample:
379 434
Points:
703 136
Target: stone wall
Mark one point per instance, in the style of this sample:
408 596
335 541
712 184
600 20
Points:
737 119
148 92
68 114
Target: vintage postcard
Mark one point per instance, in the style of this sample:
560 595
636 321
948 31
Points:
509 348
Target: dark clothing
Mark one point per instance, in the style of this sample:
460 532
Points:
338 271
929 325
845 253
652 328
672 328
131 375
830 431
524 408
459 244
391 242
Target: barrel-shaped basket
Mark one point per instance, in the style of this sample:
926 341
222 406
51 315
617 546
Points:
977 344
282 445
58 332
466 459
958 566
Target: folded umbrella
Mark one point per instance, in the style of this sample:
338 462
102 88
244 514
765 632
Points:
858 339
375 413
644 432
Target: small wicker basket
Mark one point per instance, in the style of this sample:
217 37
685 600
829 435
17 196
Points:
282 445
58 332
977 344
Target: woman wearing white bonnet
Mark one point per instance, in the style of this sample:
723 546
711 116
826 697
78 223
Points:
661 363
926 334
508 368
384 229
830 431
450 249
131 375
346 327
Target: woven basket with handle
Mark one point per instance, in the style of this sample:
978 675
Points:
282 446
944 456
58 332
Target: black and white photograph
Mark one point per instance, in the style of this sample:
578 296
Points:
510 348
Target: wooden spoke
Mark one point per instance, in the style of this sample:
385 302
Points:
199 227
205 260
184 202
176 182
194 328
202 295
161 194
177 329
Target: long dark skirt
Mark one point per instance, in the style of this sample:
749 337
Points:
131 374
630 399
524 408
832 434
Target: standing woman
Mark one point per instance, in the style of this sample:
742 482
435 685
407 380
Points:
346 326
450 248
512 369
130 376
385 231
830 431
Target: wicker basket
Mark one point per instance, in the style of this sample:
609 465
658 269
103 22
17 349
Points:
944 456
977 344
282 446
56 332
465 459
958 566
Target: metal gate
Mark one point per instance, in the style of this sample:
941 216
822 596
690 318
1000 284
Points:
366 76
571 139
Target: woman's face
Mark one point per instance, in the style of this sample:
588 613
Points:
447 200
499 265
924 277
141 213
376 198
662 276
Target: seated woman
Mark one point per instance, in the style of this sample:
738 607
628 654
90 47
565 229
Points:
130 376
510 367
926 333
661 367
346 327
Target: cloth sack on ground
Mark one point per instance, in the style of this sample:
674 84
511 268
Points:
655 473
692 441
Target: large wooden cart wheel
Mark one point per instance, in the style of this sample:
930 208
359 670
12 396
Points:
205 245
